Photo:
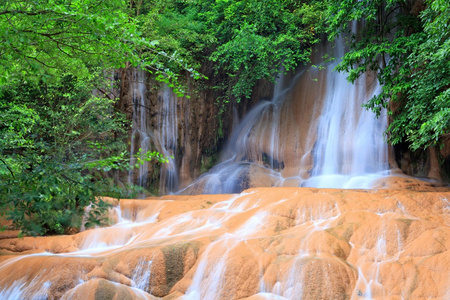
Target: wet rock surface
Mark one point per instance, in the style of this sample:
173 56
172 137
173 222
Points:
265 243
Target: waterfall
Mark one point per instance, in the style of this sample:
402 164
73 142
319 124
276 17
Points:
140 137
350 150
163 136
254 143
313 132
167 125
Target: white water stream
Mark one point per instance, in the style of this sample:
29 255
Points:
350 150
167 132
140 136
290 244
162 138
313 134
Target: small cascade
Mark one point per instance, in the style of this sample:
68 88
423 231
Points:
350 150
163 137
140 136
141 274
256 145
266 145
167 135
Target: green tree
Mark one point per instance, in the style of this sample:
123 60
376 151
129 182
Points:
57 138
409 48
256 39
39 39
244 40
57 142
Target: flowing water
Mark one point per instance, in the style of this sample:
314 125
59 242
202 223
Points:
167 136
140 136
350 151
265 243
314 132
162 137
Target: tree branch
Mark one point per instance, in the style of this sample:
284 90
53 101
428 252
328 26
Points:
57 45
28 13
104 93
39 61
9 169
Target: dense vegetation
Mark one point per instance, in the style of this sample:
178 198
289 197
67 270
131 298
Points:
408 44
58 137
59 133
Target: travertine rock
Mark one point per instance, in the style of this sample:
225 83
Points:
265 243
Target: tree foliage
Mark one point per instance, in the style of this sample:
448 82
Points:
57 137
39 38
57 141
245 40
259 39
409 48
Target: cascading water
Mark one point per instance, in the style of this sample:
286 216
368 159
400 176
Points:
265 243
350 151
246 147
312 133
140 137
163 136
167 134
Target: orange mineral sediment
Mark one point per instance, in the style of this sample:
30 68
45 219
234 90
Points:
265 243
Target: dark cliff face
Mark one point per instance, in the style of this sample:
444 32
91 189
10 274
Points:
432 163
